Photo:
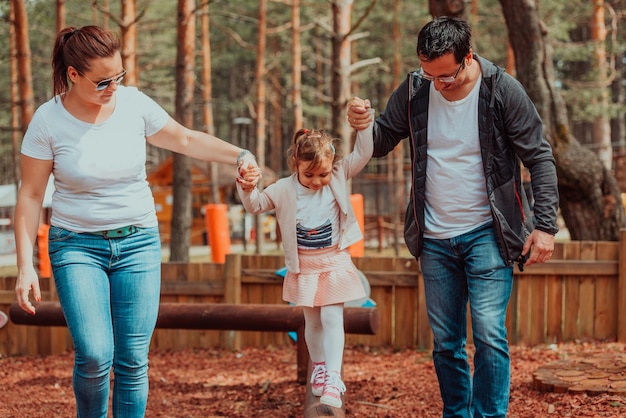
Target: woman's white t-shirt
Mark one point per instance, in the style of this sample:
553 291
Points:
99 169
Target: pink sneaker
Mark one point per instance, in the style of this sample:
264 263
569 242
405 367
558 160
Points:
333 389
318 378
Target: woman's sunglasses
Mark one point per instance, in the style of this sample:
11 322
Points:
104 84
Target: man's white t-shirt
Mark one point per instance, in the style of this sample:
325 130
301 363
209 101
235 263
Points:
99 169
456 195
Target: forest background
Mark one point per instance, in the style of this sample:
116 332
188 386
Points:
254 71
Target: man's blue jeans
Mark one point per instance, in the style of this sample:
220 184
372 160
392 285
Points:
469 267
109 291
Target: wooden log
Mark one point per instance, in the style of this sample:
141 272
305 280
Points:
48 314
302 355
223 316
621 288
216 316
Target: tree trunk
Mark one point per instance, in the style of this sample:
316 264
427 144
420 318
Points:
25 78
181 205
510 59
129 42
105 10
320 82
15 98
106 17
296 63
207 95
474 10
446 8
340 73
601 124
618 124
259 78
276 98
60 15
396 178
589 196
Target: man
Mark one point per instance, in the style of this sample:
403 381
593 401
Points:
469 124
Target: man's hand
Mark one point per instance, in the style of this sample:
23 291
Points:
358 113
541 246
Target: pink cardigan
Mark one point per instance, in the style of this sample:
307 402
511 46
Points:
281 197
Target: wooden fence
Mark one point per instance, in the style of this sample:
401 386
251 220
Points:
577 295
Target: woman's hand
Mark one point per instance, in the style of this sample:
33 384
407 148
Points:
27 280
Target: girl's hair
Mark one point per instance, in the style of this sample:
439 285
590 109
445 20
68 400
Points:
443 35
312 146
77 48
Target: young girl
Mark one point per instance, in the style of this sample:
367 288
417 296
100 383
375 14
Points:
318 225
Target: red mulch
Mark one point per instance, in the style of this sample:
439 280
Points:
262 382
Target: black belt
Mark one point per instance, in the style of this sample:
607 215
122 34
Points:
121 232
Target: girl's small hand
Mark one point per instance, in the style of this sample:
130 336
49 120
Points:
249 178
250 173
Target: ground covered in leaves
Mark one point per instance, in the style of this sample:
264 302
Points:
262 383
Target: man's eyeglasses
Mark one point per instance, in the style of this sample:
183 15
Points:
444 79
104 84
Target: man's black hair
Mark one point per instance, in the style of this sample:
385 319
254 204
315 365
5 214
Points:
443 35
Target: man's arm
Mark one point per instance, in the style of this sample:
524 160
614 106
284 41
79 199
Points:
524 130
391 127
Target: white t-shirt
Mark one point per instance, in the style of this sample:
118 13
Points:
99 169
317 217
456 194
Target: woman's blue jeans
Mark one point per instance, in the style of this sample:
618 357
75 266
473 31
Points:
109 291
457 270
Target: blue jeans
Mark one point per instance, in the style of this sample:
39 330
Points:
109 291
457 270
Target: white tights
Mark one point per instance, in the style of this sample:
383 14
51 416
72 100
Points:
324 335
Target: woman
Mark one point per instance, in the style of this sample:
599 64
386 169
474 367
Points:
103 241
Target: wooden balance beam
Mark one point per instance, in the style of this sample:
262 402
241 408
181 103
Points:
235 317
223 316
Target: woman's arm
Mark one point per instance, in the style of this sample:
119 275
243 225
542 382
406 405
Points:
200 145
35 176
